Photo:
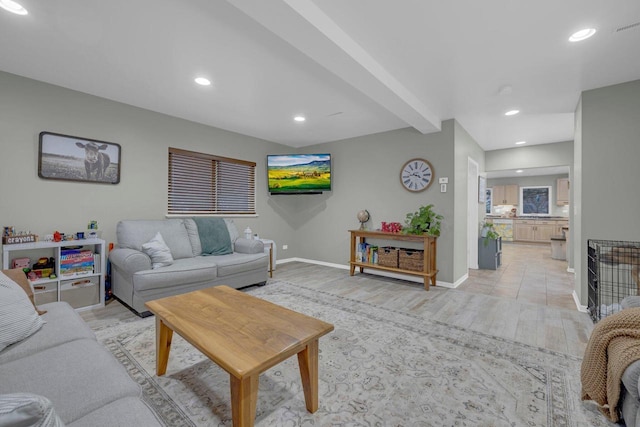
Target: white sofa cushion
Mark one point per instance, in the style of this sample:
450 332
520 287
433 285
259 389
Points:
158 251
78 377
194 238
27 409
18 317
61 324
134 233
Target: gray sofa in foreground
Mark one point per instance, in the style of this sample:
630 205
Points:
134 281
63 362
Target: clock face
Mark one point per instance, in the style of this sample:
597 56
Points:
416 175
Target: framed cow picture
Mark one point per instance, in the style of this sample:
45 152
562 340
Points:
70 158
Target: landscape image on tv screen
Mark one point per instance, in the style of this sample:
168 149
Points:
299 173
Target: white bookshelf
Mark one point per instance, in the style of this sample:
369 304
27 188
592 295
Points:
77 289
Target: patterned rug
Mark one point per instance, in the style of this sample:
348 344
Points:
379 367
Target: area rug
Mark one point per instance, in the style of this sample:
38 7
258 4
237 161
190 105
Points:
379 367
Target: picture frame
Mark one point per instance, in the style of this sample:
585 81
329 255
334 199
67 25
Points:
489 201
482 189
71 158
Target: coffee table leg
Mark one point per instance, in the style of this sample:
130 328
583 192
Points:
244 396
308 361
163 346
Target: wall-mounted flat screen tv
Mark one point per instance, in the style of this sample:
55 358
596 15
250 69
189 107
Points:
299 173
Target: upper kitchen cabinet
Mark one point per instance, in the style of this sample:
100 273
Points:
562 191
505 194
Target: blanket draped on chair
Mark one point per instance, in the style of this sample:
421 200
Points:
614 344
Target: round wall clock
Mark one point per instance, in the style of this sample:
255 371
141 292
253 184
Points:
416 175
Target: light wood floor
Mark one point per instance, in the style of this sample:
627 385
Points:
527 300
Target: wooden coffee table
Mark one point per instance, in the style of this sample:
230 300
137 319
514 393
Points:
245 336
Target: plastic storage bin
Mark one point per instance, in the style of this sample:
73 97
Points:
81 292
44 293
559 248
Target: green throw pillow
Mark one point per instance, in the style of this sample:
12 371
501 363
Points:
214 236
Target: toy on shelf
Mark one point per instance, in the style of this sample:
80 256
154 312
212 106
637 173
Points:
10 237
391 227
44 267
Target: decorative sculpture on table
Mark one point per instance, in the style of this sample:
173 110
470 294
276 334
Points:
363 217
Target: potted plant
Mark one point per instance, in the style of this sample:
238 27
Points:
423 221
488 232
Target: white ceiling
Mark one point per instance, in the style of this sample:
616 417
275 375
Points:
352 67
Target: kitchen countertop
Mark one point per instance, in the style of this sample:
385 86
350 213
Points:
557 218
543 217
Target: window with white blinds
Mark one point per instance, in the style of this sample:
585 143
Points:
202 184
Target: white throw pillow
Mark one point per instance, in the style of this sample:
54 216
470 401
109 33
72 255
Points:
233 232
26 409
158 251
18 317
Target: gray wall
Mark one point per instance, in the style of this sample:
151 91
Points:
366 175
608 198
28 107
575 222
535 156
465 148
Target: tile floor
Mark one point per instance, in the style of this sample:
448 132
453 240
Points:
527 274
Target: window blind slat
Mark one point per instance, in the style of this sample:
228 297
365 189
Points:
205 184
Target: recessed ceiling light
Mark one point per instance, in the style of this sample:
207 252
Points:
519 171
299 118
202 81
578 36
511 112
13 7
521 142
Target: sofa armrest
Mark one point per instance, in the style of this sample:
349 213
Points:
130 260
630 301
248 246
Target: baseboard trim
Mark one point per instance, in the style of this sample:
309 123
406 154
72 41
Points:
311 261
406 277
582 308
460 281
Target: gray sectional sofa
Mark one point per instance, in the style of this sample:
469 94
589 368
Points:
134 281
63 362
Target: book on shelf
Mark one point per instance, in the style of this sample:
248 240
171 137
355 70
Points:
76 262
97 268
367 253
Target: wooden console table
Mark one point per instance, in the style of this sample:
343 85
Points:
429 246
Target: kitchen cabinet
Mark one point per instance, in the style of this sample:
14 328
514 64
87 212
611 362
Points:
536 230
523 231
505 194
562 191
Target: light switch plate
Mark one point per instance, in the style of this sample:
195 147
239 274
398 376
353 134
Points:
444 180
443 188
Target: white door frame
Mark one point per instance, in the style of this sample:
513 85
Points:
472 211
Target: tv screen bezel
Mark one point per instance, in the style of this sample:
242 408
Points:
301 191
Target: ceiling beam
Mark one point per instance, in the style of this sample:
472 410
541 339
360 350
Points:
307 28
